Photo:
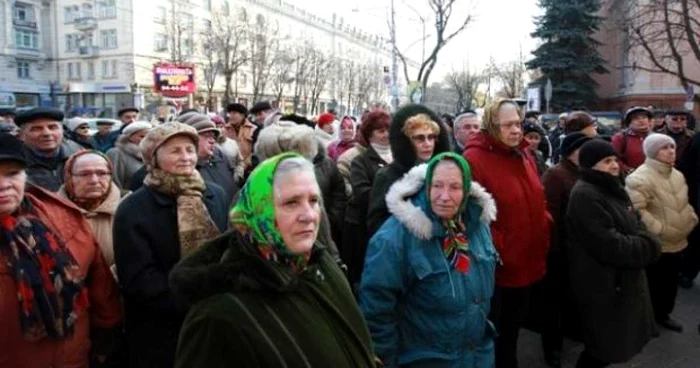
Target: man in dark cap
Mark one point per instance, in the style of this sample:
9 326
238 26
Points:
128 115
41 130
260 111
7 115
677 128
102 139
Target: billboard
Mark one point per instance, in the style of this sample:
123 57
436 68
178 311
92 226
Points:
533 99
173 80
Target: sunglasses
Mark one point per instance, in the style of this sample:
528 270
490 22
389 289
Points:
420 138
83 127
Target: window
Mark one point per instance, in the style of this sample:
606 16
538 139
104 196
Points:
23 70
87 11
105 68
160 14
108 39
90 70
23 13
107 8
187 47
26 39
207 4
187 21
114 68
71 72
70 13
160 42
86 39
78 67
71 42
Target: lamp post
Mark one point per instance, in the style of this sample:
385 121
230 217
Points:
394 61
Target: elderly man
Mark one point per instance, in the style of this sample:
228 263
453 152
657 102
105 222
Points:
465 125
501 163
128 115
677 128
47 151
260 111
101 140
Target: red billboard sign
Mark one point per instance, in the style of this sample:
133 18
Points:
173 80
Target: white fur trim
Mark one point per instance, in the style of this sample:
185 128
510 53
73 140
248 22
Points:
413 217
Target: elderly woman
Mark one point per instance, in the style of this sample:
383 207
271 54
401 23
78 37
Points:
268 294
88 184
126 155
429 272
345 141
608 248
154 228
660 194
58 300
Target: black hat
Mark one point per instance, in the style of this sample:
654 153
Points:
236 107
127 109
7 112
260 106
572 142
185 111
11 149
636 109
298 119
529 127
39 113
675 112
594 151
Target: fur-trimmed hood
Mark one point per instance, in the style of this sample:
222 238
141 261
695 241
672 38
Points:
413 217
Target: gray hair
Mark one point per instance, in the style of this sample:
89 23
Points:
294 165
459 120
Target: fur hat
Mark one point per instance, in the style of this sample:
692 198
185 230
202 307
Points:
136 126
286 136
157 136
236 107
74 123
654 142
594 151
200 122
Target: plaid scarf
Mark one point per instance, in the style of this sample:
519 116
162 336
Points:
49 288
455 246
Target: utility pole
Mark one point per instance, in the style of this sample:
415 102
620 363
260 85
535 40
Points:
394 61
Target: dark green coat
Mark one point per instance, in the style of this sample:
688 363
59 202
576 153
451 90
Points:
248 312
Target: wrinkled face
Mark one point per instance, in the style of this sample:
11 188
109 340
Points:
608 165
469 126
446 190
380 136
640 122
423 141
235 118
533 139
677 123
91 177
137 137
43 135
83 131
129 117
347 130
207 140
12 182
177 156
667 154
510 125
103 129
297 210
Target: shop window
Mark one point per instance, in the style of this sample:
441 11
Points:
26 99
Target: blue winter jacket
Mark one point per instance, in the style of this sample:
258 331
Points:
422 312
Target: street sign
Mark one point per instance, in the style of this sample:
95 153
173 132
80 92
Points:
548 90
533 99
690 98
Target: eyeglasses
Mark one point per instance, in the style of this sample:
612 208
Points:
420 138
89 174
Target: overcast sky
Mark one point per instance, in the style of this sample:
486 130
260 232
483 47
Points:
499 28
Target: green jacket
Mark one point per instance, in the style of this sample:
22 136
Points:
249 312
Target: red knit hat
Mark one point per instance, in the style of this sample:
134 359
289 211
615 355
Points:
325 119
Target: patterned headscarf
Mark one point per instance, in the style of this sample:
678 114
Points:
85 203
254 215
455 245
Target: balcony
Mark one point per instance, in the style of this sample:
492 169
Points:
24 23
85 23
88 51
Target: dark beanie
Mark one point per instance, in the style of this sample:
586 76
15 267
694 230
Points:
594 151
572 142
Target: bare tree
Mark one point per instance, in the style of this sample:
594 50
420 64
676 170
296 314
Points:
443 12
210 65
661 36
281 76
346 79
511 76
228 38
368 78
262 48
301 61
319 73
464 84
180 28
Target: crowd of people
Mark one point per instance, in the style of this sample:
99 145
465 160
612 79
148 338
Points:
261 239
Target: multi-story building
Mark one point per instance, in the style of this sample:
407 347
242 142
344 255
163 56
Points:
96 56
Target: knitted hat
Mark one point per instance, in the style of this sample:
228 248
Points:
530 127
594 151
200 122
157 136
578 121
572 142
654 142
135 127
74 123
286 136
637 109
325 119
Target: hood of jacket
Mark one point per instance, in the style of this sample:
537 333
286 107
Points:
401 146
128 147
412 211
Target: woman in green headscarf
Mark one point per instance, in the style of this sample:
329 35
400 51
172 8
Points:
429 271
267 293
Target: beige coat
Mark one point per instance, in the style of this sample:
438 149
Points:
344 163
100 220
660 194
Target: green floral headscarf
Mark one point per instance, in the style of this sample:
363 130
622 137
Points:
455 245
254 214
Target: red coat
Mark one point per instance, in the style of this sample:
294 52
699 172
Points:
521 230
628 145
105 308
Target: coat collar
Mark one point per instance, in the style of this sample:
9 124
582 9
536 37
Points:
398 201
658 166
107 207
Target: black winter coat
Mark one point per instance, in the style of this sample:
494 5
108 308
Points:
48 172
146 247
404 159
332 186
608 249
219 171
355 235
